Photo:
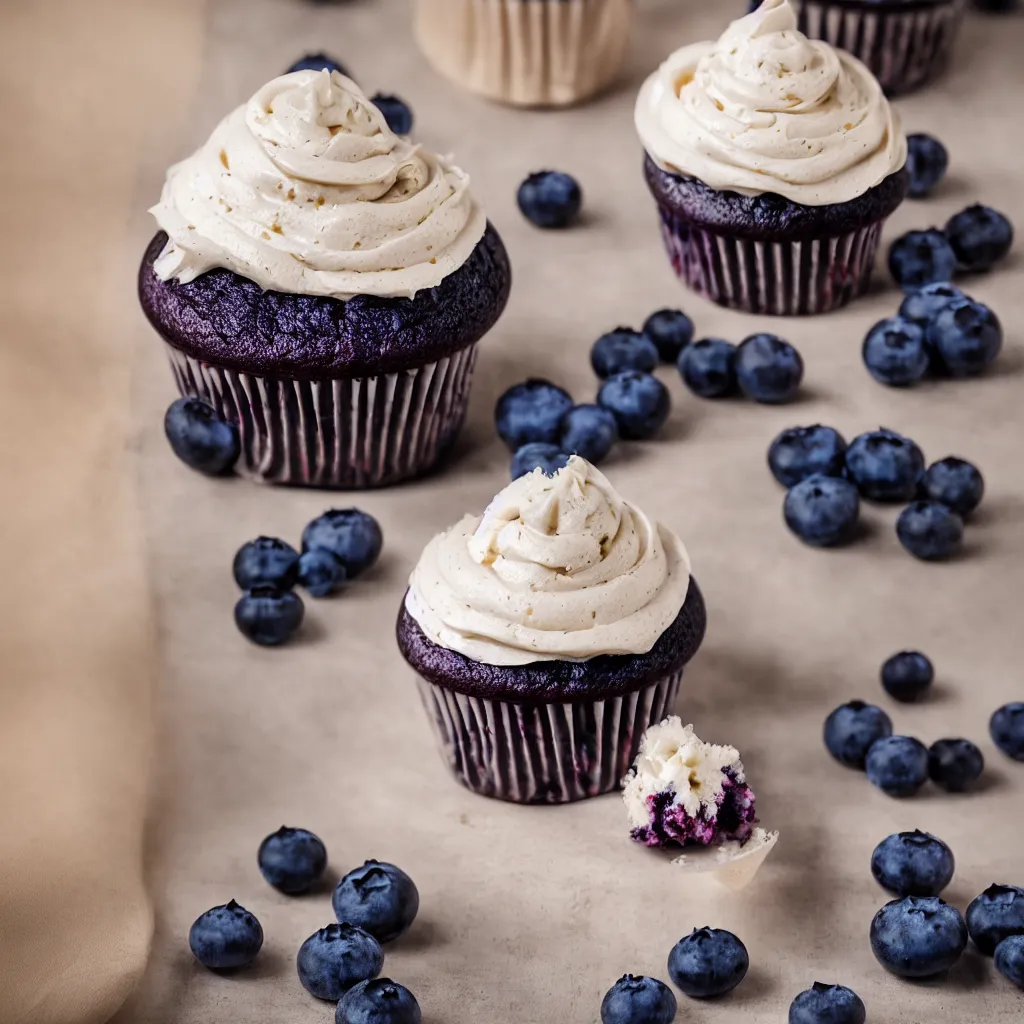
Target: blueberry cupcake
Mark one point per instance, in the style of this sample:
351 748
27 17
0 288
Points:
538 53
324 283
548 634
774 161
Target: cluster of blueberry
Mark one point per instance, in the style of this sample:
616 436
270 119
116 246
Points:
336 547
341 963
826 479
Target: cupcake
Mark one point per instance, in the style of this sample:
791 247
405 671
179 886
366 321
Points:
323 283
774 161
548 634
538 53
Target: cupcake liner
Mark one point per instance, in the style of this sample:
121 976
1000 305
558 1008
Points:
544 753
525 52
343 433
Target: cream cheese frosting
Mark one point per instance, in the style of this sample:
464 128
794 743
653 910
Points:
557 568
305 189
765 109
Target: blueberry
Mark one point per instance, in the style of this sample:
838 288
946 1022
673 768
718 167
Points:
1009 959
895 352
884 465
768 369
550 199
980 237
955 483
337 957
622 349
967 337
378 897
851 730
531 411
588 431
827 1004
929 531
922 305
897 765
537 455
671 330
913 864
1007 729
268 616
955 764
266 560
918 936
225 937
996 6
381 1001
708 962
907 676
708 367
292 859
320 572
353 537
639 402
318 62
638 1000
822 510
200 438
995 915
921 257
800 452
927 162
396 112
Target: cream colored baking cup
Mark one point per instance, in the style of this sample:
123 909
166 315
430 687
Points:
733 864
542 53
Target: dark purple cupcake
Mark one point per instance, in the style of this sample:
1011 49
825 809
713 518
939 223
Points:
324 284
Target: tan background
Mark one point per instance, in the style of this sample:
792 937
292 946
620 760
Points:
528 914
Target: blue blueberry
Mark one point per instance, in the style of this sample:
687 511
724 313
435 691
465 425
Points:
397 112
967 336
827 1004
927 162
708 962
907 676
884 465
930 531
922 305
708 367
381 1001
822 510
225 937
921 257
268 616
318 62
980 237
639 402
918 936
588 431
292 859
768 369
851 730
352 536
671 330
380 898
897 765
800 452
334 959
550 199
895 352
995 915
955 764
623 349
1009 959
537 455
320 572
913 864
1006 727
200 437
638 1000
955 483
531 411
266 560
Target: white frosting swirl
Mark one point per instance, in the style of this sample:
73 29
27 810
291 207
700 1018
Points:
305 189
557 568
765 109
